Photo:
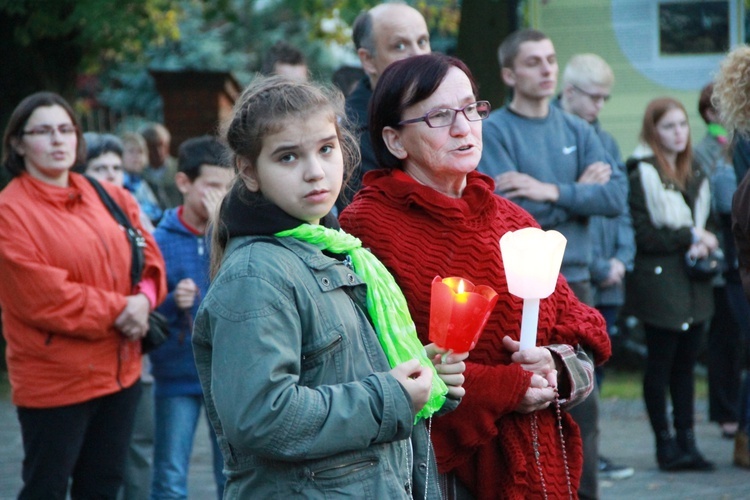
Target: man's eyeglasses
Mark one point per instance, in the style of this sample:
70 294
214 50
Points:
593 97
444 117
65 129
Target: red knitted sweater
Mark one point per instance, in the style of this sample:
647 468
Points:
419 233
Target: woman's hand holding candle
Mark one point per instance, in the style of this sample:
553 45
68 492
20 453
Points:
450 368
537 360
543 386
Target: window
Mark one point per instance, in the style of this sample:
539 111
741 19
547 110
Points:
693 27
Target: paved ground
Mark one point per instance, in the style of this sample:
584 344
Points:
626 439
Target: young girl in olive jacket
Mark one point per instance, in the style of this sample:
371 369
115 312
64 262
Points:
669 202
307 397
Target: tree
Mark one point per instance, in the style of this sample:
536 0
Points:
47 45
484 24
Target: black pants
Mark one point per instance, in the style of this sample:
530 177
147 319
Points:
724 360
586 415
669 366
86 441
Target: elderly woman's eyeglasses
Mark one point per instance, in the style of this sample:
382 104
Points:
444 117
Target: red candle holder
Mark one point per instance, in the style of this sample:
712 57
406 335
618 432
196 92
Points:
458 312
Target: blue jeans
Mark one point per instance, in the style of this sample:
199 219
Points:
136 483
176 418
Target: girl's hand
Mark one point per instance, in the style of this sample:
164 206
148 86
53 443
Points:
450 367
416 380
537 360
698 250
708 239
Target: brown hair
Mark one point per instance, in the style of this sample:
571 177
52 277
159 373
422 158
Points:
655 111
264 108
704 102
13 161
511 46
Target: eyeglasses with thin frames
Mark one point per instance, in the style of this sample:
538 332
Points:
445 117
66 129
593 97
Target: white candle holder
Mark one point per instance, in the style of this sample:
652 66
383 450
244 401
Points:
532 259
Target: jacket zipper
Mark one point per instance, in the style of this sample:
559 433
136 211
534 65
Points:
114 287
323 350
356 467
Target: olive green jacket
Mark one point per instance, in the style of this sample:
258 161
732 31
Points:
296 384
659 291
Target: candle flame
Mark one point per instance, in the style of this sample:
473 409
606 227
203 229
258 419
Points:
461 296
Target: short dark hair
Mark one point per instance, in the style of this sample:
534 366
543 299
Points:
510 47
362 33
199 151
13 161
403 84
284 53
346 77
704 102
99 144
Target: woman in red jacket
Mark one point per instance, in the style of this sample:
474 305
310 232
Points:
430 213
71 316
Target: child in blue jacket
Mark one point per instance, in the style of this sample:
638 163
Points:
202 178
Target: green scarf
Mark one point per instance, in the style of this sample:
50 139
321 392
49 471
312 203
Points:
718 132
385 303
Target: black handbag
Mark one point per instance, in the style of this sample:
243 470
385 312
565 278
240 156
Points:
705 268
158 327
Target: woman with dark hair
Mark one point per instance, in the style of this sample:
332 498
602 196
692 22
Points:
71 316
669 202
427 213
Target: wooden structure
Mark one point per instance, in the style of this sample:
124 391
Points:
195 102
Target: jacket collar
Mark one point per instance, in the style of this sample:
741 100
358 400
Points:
62 197
401 190
244 213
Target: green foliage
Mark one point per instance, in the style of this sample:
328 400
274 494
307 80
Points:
624 384
119 41
107 32
202 45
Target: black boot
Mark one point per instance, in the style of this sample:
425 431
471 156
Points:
669 456
686 443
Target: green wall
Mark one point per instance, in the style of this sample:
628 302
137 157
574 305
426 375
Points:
576 26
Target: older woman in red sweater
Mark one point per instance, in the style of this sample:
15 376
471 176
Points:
72 318
428 213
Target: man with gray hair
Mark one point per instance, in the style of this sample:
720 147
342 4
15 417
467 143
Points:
384 34
586 86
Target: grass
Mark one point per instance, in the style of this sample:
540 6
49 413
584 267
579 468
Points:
629 384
